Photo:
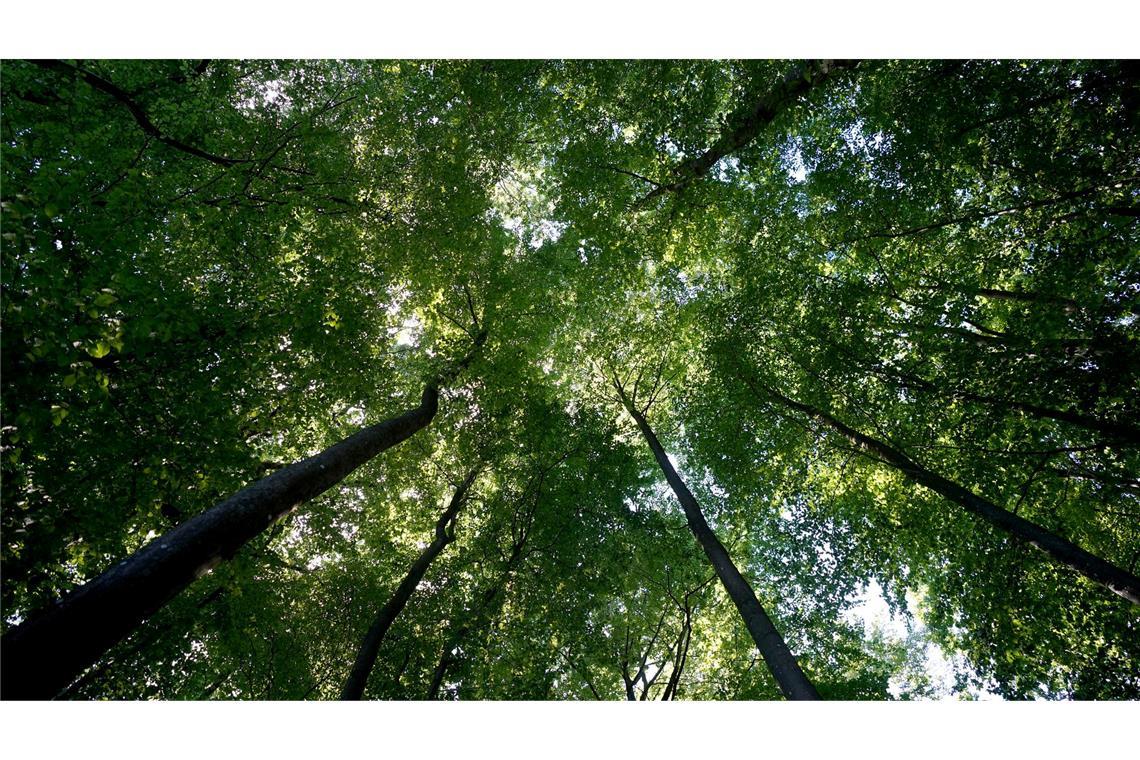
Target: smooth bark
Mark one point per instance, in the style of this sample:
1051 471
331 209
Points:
370 647
54 646
642 666
684 638
1098 570
490 603
1115 431
46 653
780 660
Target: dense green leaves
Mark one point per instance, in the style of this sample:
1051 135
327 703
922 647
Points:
212 269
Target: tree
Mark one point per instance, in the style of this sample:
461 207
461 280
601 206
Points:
444 535
50 650
771 644
842 296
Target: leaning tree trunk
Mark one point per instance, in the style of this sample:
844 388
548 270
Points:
53 647
1070 555
745 123
780 660
370 647
46 653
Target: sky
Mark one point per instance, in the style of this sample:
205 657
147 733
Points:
872 610
589 28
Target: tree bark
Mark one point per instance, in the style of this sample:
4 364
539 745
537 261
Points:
681 656
1100 571
747 122
53 647
370 647
1115 431
492 600
136 111
46 653
780 660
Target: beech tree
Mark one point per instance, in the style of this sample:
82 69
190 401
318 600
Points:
859 328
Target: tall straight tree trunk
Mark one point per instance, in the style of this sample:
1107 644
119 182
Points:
780 660
53 647
370 647
1116 579
491 602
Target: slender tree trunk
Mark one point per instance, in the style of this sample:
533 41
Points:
440 672
1116 579
630 696
1113 430
999 294
492 601
493 598
681 647
786 670
640 676
370 647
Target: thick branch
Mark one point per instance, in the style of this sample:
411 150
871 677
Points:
748 121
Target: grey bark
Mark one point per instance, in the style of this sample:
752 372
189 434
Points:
54 646
1098 570
370 646
746 122
47 652
780 660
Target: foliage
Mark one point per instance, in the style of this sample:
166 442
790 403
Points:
214 268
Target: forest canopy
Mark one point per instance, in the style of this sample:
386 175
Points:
640 380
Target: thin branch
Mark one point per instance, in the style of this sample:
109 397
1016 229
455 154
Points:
140 115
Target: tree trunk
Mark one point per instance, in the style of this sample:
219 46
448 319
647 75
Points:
51 649
780 660
1122 432
1116 579
681 656
747 122
370 647
488 607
